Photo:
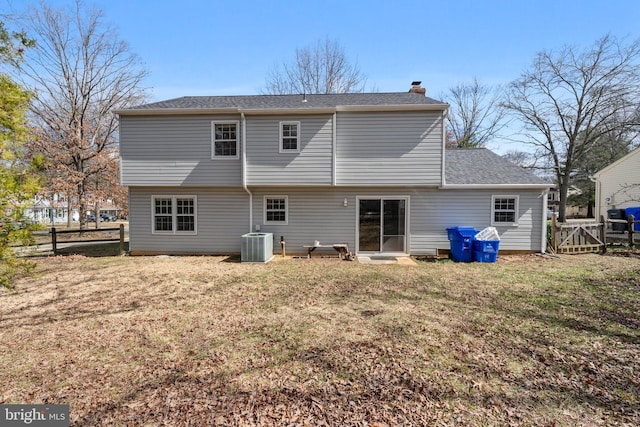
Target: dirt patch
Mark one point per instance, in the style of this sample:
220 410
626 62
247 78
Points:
627 253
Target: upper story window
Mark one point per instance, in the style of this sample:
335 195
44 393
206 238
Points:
289 137
275 210
174 214
224 137
504 210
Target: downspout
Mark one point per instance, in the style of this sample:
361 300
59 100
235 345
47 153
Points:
543 248
597 197
244 170
443 181
333 150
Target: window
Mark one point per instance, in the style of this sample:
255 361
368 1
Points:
275 210
224 137
174 214
504 210
163 217
289 137
185 214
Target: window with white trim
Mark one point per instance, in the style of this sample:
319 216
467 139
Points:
174 214
224 139
275 210
289 137
504 210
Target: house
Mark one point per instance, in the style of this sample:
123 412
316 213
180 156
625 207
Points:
366 169
618 185
571 211
52 210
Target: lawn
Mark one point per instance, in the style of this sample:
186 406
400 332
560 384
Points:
205 341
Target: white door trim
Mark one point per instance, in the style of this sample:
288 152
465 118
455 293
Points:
407 223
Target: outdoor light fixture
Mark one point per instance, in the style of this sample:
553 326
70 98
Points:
345 202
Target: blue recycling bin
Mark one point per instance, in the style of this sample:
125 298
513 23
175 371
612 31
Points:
461 243
485 250
635 211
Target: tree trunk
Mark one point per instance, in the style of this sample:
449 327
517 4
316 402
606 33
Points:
97 214
82 206
69 213
562 206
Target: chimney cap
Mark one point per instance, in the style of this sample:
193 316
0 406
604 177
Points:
416 83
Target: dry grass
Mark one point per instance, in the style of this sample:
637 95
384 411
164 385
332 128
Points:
202 341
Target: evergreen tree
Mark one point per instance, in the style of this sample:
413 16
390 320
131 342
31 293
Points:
19 180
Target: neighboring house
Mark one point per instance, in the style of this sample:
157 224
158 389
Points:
52 210
571 211
367 169
55 209
618 185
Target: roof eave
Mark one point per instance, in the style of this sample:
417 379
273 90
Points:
495 186
613 165
398 107
175 111
274 111
267 111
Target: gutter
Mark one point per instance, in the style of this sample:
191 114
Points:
175 111
598 196
244 170
272 111
394 107
495 186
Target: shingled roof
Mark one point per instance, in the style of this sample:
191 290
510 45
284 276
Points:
277 102
479 166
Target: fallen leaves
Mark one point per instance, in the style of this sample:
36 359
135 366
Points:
196 341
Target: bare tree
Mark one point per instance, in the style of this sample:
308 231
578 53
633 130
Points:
319 68
81 72
523 159
570 99
475 115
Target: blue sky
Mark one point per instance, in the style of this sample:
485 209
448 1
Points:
200 47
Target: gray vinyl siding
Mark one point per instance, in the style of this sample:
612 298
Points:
319 214
312 165
174 150
433 211
316 213
391 149
222 216
378 148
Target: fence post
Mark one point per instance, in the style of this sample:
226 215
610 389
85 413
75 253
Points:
603 234
54 240
554 241
630 225
121 239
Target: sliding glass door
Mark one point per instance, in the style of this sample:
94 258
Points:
382 225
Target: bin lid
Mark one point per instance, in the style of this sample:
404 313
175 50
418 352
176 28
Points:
464 231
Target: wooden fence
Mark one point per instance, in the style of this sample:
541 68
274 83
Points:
584 237
55 234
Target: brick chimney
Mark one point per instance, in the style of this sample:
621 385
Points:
416 88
